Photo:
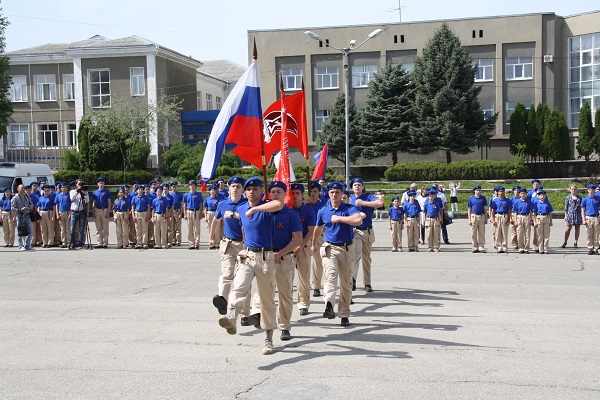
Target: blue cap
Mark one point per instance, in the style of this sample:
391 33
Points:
72 183
297 186
590 186
320 178
159 187
135 183
42 180
100 180
476 187
166 186
541 192
254 181
535 181
140 187
335 185
192 182
396 198
125 186
315 184
214 186
28 186
278 184
7 188
432 191
174 183
501 188
359 180
120 188
52 187
411 193
433 188
236 179
346 192
152 181
220 180
539 188
516 188
34 183
522 190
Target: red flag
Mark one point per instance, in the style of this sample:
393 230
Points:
321 166
283 172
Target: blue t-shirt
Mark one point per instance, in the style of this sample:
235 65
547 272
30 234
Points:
412 210
160 205
477 204
6 204
591 205
210 203
315 207
231 226
433 208
34 198
224 193
192 201
396 214
177 199
140 203
521 206
101 198
501 205
336 233
121 204
286 223
63 201
307 218
258 229
542 208
45 203
368 211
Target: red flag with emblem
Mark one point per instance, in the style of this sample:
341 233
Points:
283 172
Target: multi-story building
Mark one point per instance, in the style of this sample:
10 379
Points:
55 85
532 58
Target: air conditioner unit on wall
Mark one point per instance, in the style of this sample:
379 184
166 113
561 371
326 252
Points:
548 58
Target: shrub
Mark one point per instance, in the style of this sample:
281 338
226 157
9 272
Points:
111 177
465 170
71 160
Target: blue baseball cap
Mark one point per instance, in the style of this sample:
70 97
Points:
476 187
297 186
135 182
590 186
432 191
159 187
236 179
220 180
28 186
522 190
72 183
314 184
100 180
396 198
125 186
335 185
152 181
192 182
7 188
410 193
516 188
174 183
254 181
535 181
214 186
359 180
500 188
278 184
541 192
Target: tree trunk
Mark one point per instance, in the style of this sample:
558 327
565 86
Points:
394 158
448 157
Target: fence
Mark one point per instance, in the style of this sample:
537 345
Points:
29 154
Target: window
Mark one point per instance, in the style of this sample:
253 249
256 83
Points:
45 87
488 110
510 107
218 102
485 69
47 135
519 68
327 77
209 101
584 75
71 139
138 88
362 75
198 101
18 135
321 116
292 78
18 88
99 88
69 81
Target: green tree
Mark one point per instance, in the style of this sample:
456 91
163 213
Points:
532 148
6 108
585 143
563 134
383 127
555 143
334 131
518 128
597 132
447 111
542 115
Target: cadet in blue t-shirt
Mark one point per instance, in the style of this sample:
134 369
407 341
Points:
62 206
433 208
8 223
177 213
337 219
315 203
412 215
542 209
140 205
101 200
396 218
192 211
477 216
500 214
160 208
590 207
45 206
210 205
522 220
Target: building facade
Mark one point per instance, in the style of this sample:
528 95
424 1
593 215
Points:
533 58
55 85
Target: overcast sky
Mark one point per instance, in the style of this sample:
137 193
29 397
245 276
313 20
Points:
210 30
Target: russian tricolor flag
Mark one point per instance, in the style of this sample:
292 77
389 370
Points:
239 122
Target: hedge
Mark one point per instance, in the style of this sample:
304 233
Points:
111 177
464 170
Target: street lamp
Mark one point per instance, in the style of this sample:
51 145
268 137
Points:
345 52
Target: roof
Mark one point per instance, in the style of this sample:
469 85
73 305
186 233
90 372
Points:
222 69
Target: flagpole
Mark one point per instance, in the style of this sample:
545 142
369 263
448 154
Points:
262 142
306 136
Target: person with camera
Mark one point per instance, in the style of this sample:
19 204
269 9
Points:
79 205
22 205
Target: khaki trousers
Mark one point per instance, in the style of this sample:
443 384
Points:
47 227
363 242
501 232
262 266
160 231
317 266
303 266
338 262
210 215
478 231
284 276
542 231
121 219
57 238
433 227
102 217
194 227
37 233
522 226
8 227
593 232
412 232
533 239
132 234
151 232
141 228
176 234
397 227
65 236
513 236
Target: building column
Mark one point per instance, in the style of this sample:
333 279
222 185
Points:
152 101
78 77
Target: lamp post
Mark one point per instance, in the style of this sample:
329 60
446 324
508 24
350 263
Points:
345 53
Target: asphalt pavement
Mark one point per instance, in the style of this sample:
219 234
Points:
140 324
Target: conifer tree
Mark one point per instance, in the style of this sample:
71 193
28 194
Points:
518 128
334 131
6 107
585 143
597 132
533 137
563 134
542 115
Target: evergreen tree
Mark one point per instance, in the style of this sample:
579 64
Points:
383 127
585 143
597 132
533 137
553 142
334 131
563 134
542 115
448 115
518 127
6 107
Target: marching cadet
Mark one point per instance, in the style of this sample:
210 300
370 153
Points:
121 213
210 205
315 204
130 194
396 218
365 203
230 245
513 228
149 191
412 220
433 208
139 210
542 211
303 254
337 219
590 207
500 214
192 209
521 219
62 206
8 218
55 191
45 207
324 196
177 204
532 197
160 207
494 227
477 215
222 188
257 220
101 200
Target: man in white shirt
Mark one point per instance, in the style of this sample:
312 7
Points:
442 197
79 206
404 199
422 198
